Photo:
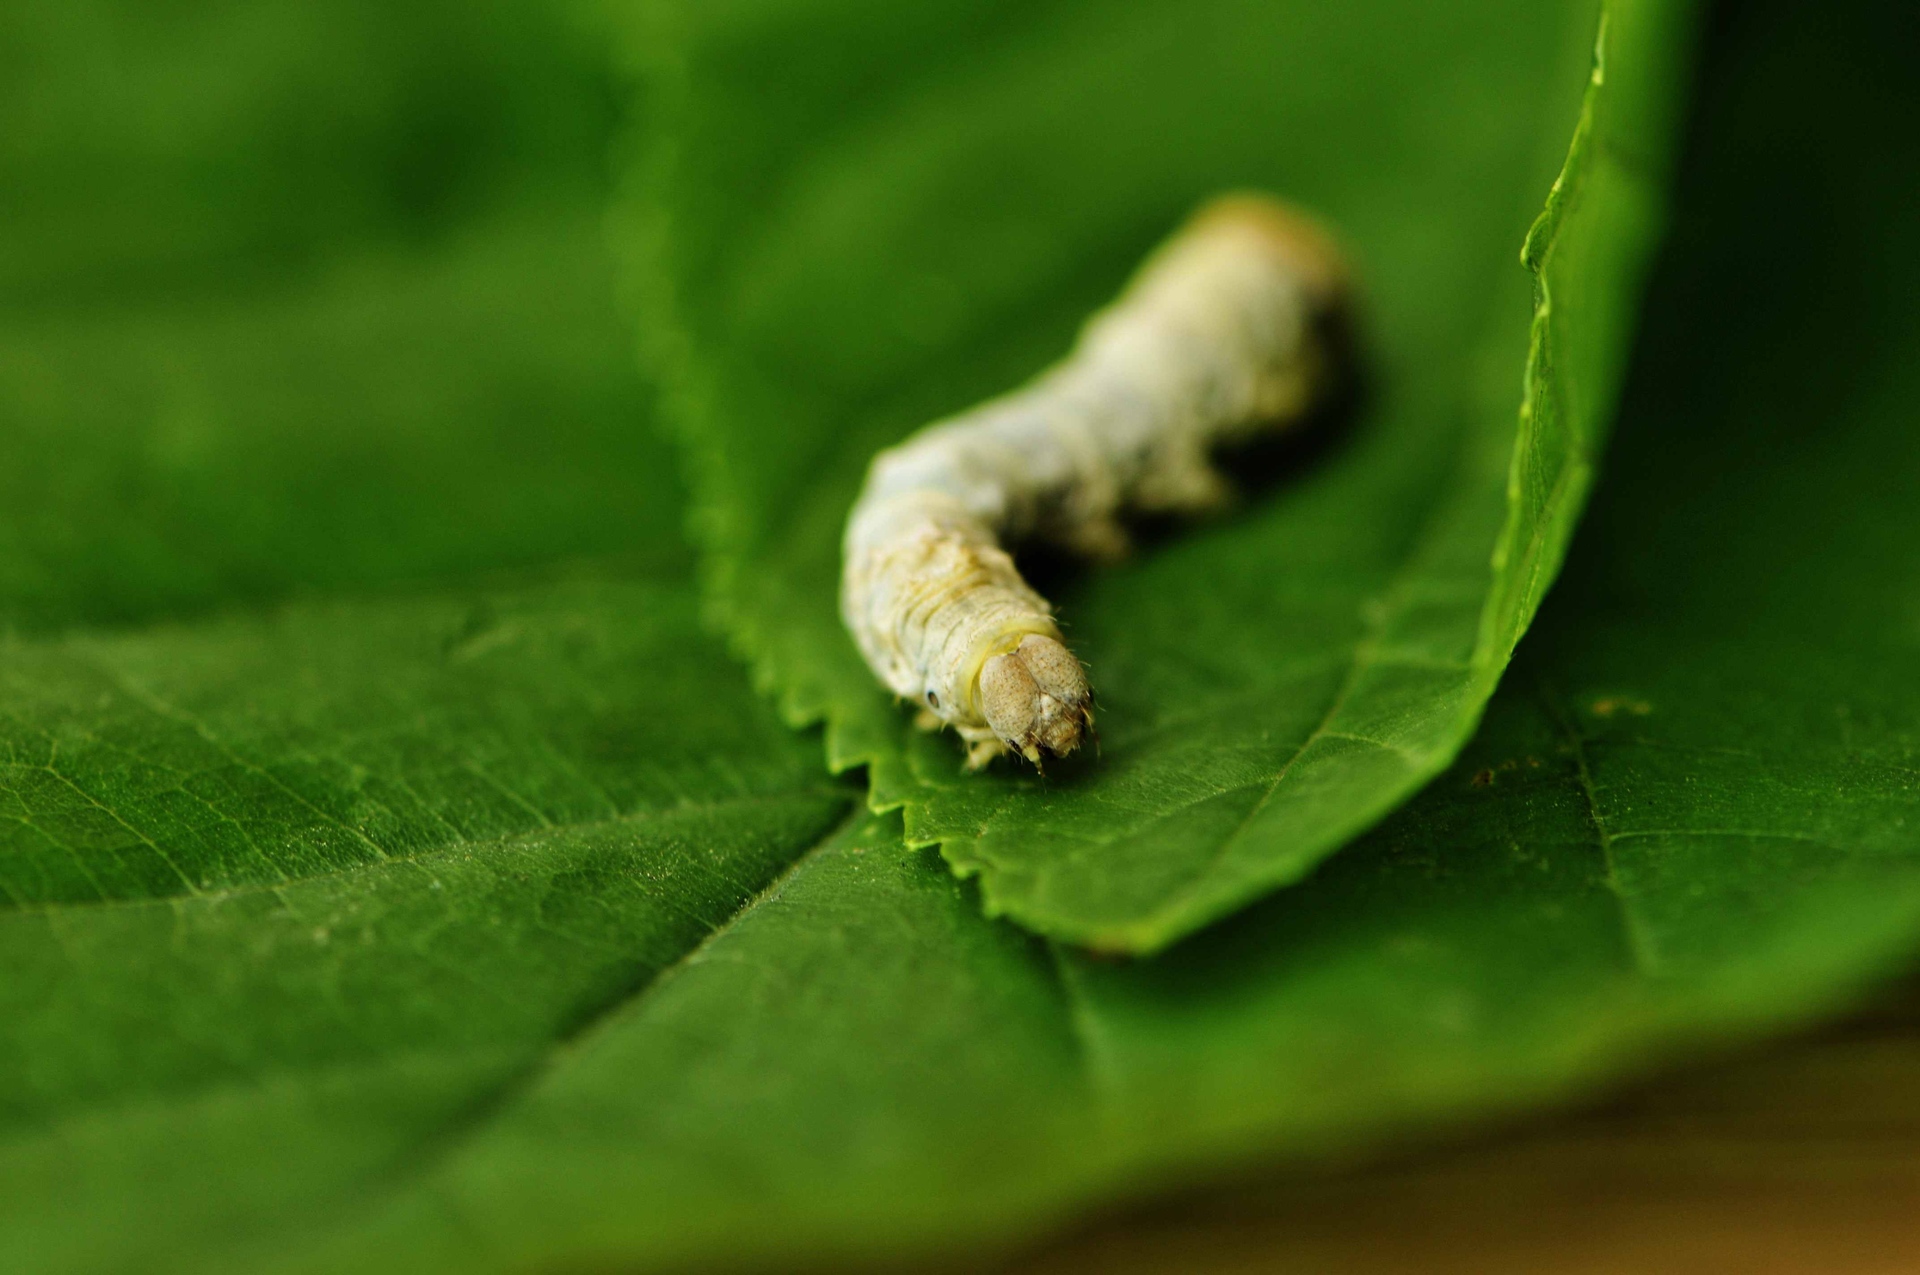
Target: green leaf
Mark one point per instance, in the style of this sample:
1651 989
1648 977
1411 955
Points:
662 1030
306 296
293 899
860 220
198 147
1687 818
358 740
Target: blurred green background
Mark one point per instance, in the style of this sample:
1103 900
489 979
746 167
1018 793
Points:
307 297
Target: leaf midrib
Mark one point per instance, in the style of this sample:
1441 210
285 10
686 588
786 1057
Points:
1638 943
825 788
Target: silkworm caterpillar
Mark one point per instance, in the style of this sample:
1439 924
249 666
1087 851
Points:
1220 336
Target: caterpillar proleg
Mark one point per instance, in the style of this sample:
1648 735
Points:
1220 336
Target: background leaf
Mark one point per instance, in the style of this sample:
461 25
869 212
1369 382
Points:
859 221
1686 819
692 1021
358 742
305 297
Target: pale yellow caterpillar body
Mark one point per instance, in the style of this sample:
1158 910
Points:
1220 336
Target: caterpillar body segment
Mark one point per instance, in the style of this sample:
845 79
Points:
1218 338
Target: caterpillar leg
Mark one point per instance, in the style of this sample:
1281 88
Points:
1099 539
1184 483
982 751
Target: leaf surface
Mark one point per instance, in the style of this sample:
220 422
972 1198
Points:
358 739
306 297
1688 817
525 937
858 221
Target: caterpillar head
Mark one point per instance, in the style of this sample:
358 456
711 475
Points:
1036 698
